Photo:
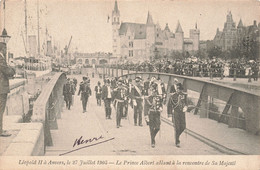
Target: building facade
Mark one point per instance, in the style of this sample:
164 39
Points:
233 36
139 42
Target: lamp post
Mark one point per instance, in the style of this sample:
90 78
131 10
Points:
4 38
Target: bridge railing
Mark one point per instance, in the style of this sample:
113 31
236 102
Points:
47 107
235 98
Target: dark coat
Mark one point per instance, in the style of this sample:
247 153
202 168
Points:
6 72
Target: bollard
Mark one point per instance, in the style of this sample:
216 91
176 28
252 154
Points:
235 75
249 76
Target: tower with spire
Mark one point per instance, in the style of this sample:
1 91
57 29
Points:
143 41
195 36
150 30
179 38
115 29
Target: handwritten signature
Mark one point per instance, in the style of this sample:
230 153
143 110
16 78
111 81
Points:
81 141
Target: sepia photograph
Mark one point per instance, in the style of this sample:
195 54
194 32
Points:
129 84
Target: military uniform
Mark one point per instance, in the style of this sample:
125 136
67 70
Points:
153 104
137 96
68 91
119 96
106 95
176 105
85 92
98 90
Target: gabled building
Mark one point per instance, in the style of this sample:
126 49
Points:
139 42
232 36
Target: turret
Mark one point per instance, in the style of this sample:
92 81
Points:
179 37
195 36
115 29
150 30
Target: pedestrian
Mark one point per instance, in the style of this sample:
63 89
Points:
68 89
98 90
73 91
119 96
153 104
85 92
177 108
6 72
106 96
137 96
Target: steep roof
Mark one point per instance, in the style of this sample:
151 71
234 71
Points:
240 24
116 7
167 27
149 19
139 30
179 29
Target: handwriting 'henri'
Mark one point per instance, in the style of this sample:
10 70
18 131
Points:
85 141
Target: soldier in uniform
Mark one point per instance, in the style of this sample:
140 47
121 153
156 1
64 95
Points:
146 86
98 90
68 91
119 96
153 104
137 96
73 91
106 96
177 108
85 92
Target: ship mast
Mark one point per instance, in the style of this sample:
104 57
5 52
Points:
25 24
38 25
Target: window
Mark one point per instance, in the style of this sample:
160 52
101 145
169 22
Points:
129 37
131 54
114 40
131 44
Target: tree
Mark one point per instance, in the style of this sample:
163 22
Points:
214 52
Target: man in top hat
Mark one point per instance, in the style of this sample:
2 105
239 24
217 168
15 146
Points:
154 107
137 96
98 90
119 96
106 96
85 92
68 91
177 108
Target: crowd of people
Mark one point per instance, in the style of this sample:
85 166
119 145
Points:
146 97
196 67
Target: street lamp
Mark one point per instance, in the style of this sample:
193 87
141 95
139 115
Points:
4 37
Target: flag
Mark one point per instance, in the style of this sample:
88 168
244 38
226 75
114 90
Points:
4 4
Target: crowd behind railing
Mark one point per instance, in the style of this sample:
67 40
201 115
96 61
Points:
197 68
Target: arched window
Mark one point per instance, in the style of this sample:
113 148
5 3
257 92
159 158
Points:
86 61
80 61
93 61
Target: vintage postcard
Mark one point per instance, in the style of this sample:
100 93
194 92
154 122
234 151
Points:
129 84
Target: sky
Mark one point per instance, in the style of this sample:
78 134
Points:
86 20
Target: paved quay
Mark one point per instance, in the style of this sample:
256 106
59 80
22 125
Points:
128 140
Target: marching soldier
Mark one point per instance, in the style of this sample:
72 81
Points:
85 91
119 96
98 90
137 96
73 91
153 103
126 84
68 91
146 86
177 108
107 97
